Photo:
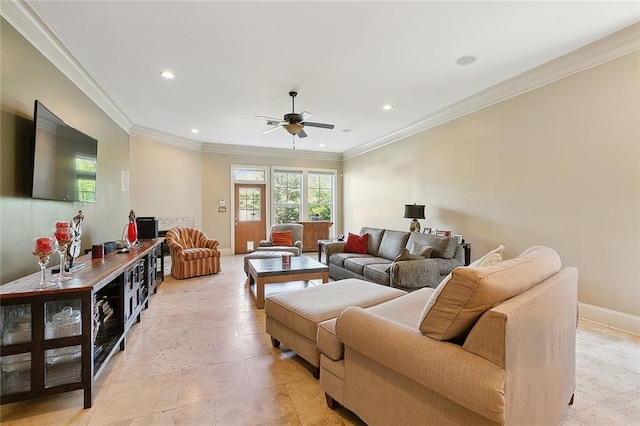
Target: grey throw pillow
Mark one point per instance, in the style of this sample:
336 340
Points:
421 250
404 255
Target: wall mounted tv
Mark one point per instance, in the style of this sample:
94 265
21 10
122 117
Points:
65 160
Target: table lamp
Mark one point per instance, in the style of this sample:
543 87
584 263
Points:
414 211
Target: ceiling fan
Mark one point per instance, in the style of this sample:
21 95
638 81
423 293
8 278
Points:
293 123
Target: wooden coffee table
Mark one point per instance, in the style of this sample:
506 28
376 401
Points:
266 271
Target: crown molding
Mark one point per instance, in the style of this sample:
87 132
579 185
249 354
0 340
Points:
220 148
614 46
166 138
28 22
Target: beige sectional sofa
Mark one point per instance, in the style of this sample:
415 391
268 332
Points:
492 345
378 265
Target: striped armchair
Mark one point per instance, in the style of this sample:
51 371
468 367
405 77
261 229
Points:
192 253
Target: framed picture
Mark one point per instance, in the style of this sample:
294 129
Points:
443 233
458 238
426 231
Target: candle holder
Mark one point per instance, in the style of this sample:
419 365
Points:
64 235
43 248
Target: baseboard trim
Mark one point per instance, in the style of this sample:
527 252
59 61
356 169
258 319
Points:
610 318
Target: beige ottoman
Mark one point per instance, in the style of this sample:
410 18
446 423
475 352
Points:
292 318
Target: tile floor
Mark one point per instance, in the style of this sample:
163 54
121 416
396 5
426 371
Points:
200 356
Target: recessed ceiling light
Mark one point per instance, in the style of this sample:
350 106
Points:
167 74
322 145
194 130
346 130
387 107
465 60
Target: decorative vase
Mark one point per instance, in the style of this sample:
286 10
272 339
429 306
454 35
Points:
132 232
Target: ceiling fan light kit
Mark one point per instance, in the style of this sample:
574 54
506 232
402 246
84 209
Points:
293 122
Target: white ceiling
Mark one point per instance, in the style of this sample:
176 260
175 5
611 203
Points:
235 60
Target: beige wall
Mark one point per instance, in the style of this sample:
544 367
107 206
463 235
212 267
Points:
171 181
166 180
216 185
26 75
557 166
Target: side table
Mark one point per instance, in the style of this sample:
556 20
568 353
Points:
322 243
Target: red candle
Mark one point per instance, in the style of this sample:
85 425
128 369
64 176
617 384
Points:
62 225
44 245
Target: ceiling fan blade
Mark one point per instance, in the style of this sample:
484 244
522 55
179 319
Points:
321 125
302 134
270 130
304 115
262 117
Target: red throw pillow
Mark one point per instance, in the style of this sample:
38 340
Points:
282 238
356 243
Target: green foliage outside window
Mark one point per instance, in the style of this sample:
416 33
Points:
287 188
86 179
320 195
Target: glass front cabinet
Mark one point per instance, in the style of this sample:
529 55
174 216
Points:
43 343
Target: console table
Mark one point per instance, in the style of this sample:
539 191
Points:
314 230
42 355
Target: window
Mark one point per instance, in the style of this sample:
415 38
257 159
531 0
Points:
320 198
287 191
86 179
249 204
299 195
249 175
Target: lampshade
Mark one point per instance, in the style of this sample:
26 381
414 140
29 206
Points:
293 128
413 211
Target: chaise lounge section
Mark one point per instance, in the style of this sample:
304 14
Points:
492 345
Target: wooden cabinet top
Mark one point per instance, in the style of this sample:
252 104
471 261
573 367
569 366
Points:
95 274
323 222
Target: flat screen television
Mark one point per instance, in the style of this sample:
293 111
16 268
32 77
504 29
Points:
65 160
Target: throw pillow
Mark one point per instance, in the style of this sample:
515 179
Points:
494 256
421 250
282 238
467 293
404 255
356 243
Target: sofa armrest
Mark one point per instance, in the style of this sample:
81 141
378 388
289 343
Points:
446 368
414 274
299 245
333 248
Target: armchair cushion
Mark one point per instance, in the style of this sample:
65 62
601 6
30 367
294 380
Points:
459 301
282 238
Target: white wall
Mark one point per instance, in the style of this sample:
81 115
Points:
557 166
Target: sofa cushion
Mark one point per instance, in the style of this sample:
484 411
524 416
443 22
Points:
282 238
357 264
356 243
444 247
375 237
462 298
339 258
198 253
392 244
404 310
378 273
